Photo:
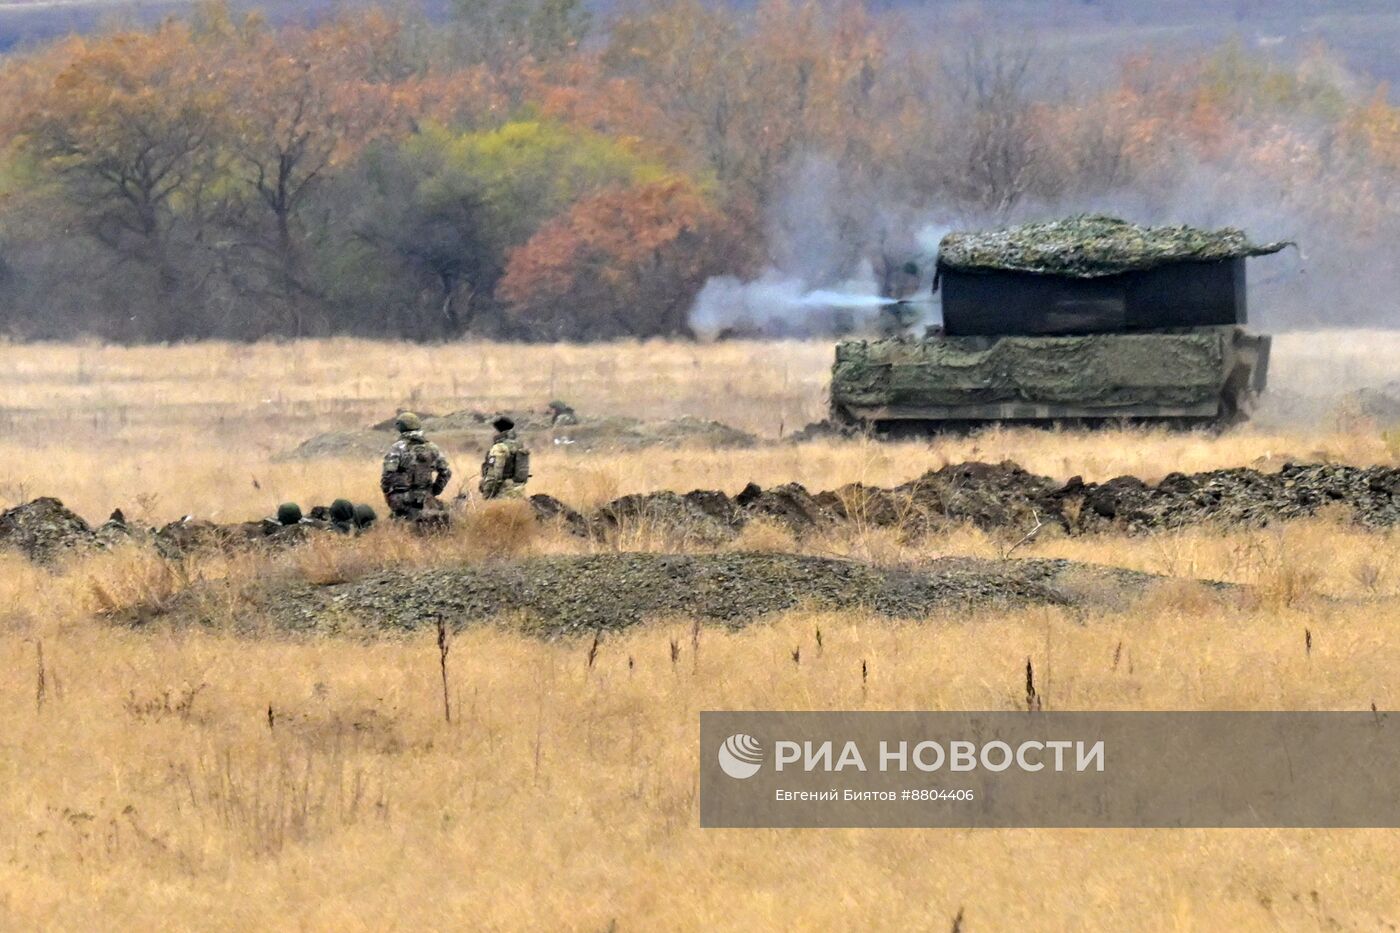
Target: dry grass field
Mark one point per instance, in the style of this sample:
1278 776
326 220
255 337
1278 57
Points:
216 779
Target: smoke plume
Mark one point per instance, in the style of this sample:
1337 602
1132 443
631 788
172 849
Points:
835 253
838 255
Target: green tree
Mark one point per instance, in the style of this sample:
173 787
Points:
443 209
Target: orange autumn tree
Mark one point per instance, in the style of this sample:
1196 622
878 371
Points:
302 103
1372 130
625 262
128 121
124 129
745 94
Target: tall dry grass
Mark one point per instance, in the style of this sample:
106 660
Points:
197 780
166 431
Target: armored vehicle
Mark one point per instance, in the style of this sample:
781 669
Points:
1081 320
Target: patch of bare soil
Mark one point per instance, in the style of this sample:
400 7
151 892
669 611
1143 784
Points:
569 594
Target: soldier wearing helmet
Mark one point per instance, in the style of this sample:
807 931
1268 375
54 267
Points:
507 464
561 414
343 516
415 472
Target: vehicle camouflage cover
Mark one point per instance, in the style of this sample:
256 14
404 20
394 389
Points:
1193 374
1093 246
1202 374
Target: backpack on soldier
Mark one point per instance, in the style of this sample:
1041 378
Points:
519 472
422 466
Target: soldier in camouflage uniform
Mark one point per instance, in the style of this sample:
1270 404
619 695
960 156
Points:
498 470
343 516
561 414
415 471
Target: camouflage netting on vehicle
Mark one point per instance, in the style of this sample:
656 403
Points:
1102 370
1091 246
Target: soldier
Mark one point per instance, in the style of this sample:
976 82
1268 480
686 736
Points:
415 471
561 414
343 516
288 515
507 464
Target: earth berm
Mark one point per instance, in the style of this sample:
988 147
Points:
561 595
987 495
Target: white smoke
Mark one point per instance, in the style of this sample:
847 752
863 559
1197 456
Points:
928 238
776 304
824 241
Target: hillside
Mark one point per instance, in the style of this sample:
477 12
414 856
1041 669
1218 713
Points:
1362 33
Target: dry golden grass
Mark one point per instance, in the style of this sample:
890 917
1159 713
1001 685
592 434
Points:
202 779
150 780
163 431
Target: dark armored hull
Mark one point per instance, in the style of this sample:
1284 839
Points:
1208 374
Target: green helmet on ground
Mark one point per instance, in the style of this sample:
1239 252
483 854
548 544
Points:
342 510
288 513
408 421
364 516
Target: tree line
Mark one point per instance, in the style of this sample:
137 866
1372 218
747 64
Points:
521 171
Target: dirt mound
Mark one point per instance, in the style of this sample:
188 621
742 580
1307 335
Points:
562 595
44 529
189 535
1003 495
470 431
366 445
987 495
702 516
1237 497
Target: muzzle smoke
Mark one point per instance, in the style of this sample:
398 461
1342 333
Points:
782 306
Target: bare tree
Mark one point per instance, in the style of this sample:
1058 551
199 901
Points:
991 87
